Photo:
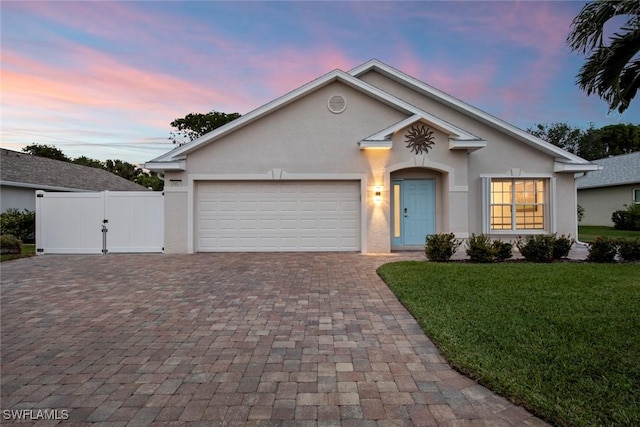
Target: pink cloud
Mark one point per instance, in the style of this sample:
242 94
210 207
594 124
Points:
100 81
118 21
288 68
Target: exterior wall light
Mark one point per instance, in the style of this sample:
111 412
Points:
378 195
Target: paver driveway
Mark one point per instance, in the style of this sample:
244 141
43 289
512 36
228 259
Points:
225 339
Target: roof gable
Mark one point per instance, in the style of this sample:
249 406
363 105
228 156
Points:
616 170
467 109
25 170
178 153
458 138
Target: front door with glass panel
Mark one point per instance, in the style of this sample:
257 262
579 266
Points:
413 211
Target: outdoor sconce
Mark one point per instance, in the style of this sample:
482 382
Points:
378 195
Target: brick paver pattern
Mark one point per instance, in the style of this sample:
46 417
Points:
225 340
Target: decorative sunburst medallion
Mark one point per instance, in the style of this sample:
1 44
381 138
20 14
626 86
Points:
419 139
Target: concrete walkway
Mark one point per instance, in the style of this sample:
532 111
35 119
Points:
226 339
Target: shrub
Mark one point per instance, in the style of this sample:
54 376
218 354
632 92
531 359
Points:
441 247
561 246
481 249
10 244
603 249
628 219
538 248
503 250
629 249
19 224
544 247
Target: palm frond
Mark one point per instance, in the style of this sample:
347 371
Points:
612 70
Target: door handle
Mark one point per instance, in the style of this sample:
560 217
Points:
405 213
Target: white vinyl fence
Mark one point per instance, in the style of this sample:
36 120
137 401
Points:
99 223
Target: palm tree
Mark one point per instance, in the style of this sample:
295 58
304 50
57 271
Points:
612 70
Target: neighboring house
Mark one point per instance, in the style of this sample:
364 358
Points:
327 167
603 192
21 174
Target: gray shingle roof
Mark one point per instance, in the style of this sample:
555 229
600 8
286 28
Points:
616 170
41 172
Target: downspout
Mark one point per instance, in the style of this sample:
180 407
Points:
575 189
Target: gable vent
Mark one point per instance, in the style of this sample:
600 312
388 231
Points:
337 104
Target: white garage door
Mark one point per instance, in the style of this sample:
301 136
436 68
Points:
278 216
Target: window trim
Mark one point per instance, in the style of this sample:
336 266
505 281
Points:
550 209
633 196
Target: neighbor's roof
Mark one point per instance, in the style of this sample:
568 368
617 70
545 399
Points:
616 170
24 170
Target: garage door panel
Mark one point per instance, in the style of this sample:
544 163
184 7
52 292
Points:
278 216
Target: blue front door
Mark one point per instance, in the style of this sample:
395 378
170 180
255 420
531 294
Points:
413 211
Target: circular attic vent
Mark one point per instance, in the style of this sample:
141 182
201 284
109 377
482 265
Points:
337 104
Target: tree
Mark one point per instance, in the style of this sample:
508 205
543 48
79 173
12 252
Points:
49 151
150 180
612 70
194 125
591 144
559 134
124 169
611 140
86 161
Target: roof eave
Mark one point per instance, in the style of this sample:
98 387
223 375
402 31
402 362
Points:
607 184
469 145
174 166
560 167
34 186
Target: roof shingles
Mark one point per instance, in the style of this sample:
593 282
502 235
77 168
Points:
616 170
28 170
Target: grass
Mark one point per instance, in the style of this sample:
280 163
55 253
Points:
588 233
27 251
562 339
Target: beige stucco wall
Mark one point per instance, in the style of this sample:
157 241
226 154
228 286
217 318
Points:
175 221
600 203
305 139
502 156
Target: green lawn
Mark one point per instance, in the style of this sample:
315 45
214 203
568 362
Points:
27 251
562 339
588 233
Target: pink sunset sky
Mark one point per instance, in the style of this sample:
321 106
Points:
105 79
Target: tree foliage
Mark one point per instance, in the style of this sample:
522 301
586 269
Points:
612 69
592 143
194 125
559 134
611 140
48 151
21 224
86 161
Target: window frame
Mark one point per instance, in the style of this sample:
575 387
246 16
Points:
635 196
549 212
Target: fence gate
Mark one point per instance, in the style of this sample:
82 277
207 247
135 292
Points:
96 223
